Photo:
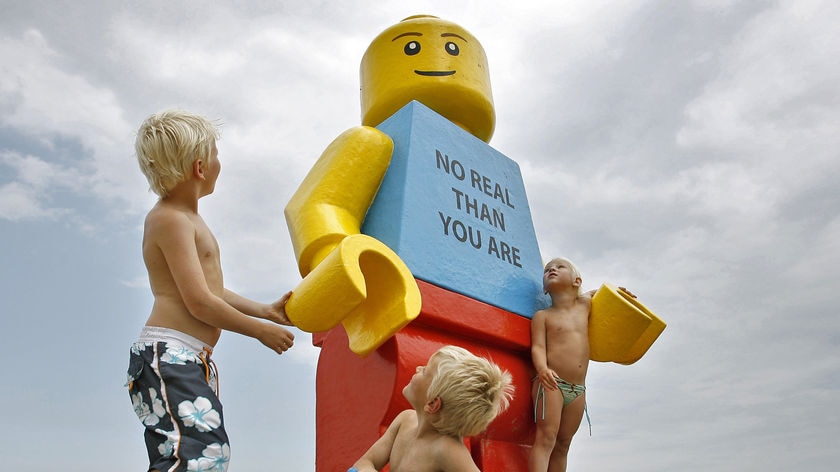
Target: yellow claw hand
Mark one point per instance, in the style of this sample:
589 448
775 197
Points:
362 284
621 329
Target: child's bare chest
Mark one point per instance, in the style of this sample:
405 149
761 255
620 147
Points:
567 321
209 257
411 456
205 242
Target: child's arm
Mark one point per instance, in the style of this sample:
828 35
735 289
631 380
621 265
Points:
275 312
175 236
380 453
539 357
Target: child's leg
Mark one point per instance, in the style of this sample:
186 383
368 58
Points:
173 396
569 424
548 408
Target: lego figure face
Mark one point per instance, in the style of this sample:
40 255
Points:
435 62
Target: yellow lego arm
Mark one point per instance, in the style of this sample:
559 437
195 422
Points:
333 199
349 278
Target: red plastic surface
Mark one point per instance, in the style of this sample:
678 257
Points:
357 397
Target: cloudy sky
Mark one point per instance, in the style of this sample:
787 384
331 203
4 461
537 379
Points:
687 150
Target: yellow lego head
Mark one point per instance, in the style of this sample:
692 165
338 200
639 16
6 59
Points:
435 62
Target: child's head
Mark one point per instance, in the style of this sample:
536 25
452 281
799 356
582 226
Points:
558 262
471 389
167 145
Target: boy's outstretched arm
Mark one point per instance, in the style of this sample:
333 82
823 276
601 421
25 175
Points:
175 235
380 453
275 312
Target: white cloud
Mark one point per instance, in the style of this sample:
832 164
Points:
47 100
775 92
28 195
20 203
45 103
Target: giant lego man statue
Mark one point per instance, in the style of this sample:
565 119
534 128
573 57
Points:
411 232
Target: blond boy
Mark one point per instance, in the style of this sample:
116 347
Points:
560 353
457 394
171 379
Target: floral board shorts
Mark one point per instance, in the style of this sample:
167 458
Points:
173 387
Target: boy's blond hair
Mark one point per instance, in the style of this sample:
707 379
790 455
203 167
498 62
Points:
167 145
472 390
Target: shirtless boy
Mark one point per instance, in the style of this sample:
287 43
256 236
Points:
560 353
171 379
455 395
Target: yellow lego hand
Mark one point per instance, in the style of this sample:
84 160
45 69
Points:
362 284
621 329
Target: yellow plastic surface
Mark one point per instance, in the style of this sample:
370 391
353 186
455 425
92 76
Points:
332 200
456 86
349 278
362 284
621 329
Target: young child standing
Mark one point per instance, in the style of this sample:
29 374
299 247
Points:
560 353
456 394
171 379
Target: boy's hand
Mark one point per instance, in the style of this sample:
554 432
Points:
276 338
277 311
628 292
548 379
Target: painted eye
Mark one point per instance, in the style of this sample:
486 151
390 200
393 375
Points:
411 48
452 49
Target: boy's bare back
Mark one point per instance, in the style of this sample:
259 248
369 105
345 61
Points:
182 259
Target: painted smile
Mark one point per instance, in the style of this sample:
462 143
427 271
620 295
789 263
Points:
434 73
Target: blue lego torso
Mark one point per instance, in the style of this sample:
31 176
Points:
455 210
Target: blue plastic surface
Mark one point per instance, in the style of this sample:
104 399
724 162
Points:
455 210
